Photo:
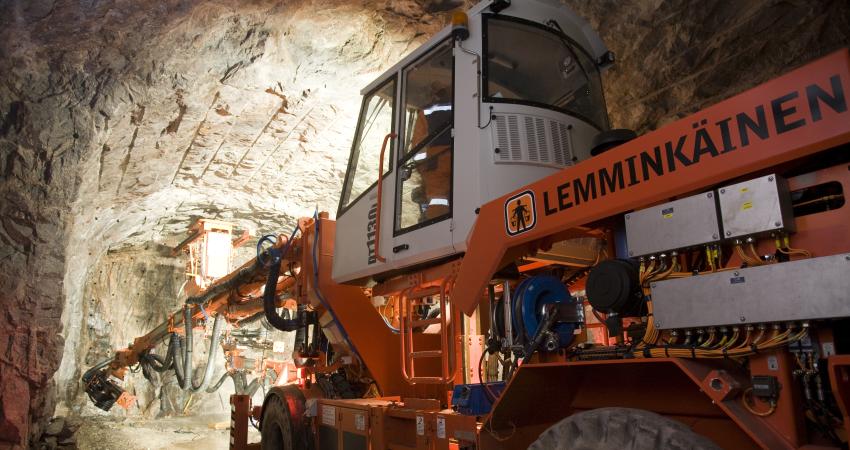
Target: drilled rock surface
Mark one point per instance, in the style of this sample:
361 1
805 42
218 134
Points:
120 124
675 57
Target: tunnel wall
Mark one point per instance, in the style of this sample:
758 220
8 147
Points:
73 73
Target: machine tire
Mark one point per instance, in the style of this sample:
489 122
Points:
276 433
620 429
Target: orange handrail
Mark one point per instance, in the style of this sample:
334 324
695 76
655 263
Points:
380 190
448 334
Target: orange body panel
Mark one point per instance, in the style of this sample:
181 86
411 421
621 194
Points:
704 394
559 208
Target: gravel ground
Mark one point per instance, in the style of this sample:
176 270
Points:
108 433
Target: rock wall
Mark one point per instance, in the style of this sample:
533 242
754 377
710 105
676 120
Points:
675 57
119 124
127 293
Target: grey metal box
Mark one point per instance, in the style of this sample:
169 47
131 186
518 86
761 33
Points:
757 206
675 225
807 289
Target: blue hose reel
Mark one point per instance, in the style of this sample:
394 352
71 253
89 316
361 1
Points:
529 300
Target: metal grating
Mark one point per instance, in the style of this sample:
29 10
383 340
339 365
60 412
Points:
537 141
561 144
533 142
502 143
513 130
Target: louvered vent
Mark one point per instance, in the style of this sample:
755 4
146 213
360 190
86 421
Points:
537 141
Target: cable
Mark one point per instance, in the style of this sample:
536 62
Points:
746 258
755 253
188 382
481 380
270 289
746 398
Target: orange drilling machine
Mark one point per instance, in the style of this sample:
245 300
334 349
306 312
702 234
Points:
505 271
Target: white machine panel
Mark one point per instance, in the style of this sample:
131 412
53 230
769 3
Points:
757 206
807 289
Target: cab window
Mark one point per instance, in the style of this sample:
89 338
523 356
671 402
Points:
532 64
375 123
425 162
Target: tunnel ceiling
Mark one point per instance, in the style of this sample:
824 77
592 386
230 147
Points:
120 123
205 109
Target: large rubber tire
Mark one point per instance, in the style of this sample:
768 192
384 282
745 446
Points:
620 429
276 433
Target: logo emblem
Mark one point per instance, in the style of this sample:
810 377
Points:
520 215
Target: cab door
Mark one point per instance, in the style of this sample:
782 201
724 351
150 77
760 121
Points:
363 239
424 188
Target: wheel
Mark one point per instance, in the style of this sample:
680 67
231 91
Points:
276 433
620 429
283 425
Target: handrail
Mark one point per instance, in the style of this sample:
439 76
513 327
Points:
448 321
380 190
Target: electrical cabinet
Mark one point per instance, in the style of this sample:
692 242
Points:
675 225
756 207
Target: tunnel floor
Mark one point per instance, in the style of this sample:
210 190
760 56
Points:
111 433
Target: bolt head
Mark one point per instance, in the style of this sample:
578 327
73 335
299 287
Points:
653 285
714 236
628 216
737 273
728 233
847 258
777 224
769 178
709 195
743 319
723 191
631 253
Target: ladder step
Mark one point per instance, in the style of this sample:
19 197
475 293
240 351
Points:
426 322
427 354
427 380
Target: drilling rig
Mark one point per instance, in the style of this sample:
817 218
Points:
506 271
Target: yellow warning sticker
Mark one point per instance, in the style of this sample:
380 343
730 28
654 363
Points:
745 189
746 206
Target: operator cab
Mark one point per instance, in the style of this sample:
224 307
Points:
460 122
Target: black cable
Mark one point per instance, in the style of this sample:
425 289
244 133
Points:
270 291
241 277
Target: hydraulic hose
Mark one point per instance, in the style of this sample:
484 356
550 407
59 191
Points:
218 324
188 382
270 290
156 362
270 295
244 275
544 327
218 383
252 387
177 360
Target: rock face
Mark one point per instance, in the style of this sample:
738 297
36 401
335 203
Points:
675 57
120 124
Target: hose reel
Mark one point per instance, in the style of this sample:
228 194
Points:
544 314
